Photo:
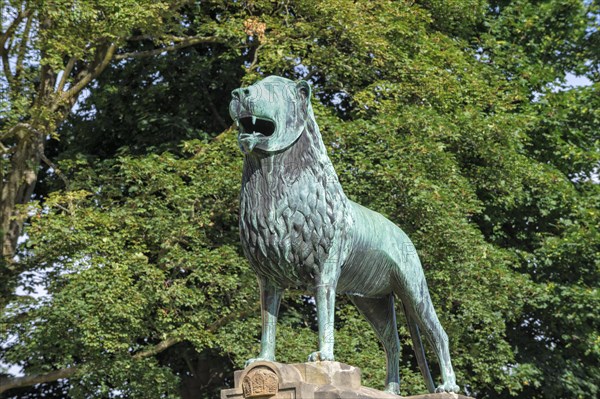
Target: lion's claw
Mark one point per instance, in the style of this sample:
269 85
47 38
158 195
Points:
320 357
392 387
448 387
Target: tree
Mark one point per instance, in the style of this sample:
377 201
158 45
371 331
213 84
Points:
558 329
50 53
438 114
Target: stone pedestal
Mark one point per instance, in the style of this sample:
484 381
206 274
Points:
319 380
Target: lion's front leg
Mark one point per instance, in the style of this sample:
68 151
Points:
270 299
325 298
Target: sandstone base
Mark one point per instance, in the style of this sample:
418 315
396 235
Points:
319 380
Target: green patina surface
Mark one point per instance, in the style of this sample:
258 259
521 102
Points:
298 229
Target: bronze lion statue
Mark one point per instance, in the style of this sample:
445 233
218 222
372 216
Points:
298 229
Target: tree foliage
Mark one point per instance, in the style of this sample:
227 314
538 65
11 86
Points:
51 52
450 118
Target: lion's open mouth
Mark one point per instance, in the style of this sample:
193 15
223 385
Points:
253 125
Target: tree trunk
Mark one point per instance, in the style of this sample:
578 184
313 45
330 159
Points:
17 189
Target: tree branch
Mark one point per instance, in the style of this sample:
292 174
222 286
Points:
23 47
58 172
29 380
255 59
174 39
224 125
110 55
156 349
47 81
11 28
6 66
220 322
181 43
15 129
65 75
100 65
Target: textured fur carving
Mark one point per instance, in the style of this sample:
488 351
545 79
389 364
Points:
298 229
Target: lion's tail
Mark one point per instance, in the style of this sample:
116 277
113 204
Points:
419 351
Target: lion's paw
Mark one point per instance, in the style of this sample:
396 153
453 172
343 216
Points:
448 387
258 359
393 387
320 357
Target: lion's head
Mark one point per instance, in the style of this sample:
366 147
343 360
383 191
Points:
271 114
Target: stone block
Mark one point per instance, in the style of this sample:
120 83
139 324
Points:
318 380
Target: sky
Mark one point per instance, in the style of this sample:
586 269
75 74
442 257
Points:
577 81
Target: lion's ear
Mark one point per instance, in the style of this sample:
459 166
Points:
303 89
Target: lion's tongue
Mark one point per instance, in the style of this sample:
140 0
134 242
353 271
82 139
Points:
248 142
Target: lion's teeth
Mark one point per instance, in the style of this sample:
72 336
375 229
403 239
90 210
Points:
254 120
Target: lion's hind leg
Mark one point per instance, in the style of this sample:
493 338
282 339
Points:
380 313
417 303
415 335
